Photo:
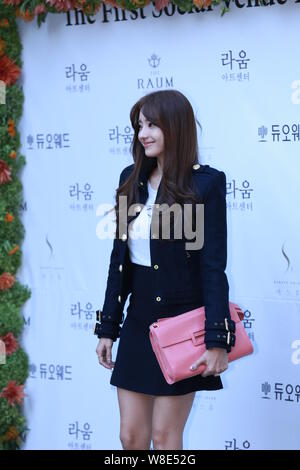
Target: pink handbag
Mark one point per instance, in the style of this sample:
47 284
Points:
179 341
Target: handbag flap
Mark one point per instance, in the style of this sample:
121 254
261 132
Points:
187 326
180 328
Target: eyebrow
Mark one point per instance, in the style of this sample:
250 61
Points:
142 121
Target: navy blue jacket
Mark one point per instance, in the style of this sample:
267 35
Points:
181 275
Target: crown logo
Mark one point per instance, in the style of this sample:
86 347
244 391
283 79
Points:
154 61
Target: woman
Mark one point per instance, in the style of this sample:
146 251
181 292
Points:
164 275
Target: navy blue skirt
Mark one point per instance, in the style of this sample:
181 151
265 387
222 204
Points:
136 367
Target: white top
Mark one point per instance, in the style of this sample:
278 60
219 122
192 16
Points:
139 232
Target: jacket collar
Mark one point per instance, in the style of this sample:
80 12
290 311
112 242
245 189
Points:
148 165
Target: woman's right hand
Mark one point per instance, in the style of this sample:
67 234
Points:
104 352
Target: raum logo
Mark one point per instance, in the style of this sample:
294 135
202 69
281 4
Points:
156 81
296 353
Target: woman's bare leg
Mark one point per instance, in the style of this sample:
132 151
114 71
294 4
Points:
170 414
136 419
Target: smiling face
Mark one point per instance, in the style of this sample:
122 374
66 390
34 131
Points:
151 137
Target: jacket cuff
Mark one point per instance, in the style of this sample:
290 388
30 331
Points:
106 328
219 339
224 325
220 333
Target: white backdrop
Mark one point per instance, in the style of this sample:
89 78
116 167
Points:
80 80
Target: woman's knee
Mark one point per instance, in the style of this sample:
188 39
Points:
128 439
160 437
135 439
166 438
169 418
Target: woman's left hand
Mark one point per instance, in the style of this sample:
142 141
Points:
215 359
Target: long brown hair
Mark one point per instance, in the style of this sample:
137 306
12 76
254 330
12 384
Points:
172 112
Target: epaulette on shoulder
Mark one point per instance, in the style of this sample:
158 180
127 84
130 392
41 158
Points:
197 168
